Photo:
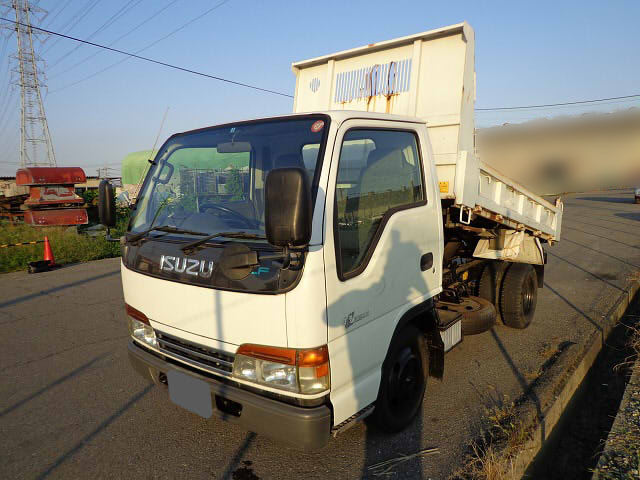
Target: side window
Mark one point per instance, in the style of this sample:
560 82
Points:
378 173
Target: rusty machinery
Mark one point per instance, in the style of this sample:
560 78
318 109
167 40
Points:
52 199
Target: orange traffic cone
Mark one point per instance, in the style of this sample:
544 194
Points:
48 253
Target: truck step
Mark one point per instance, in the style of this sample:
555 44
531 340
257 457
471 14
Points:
353 420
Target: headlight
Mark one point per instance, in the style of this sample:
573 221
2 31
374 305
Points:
142 332
139 327
277 375
294 370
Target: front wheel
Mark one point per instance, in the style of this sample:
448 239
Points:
403 382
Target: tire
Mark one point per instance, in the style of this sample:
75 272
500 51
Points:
403 381
478 314
519 295
490 284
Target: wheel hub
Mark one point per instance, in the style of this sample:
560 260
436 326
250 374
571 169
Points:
403 380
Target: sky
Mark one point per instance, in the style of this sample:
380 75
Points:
527 53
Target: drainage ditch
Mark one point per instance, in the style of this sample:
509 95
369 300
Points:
573 448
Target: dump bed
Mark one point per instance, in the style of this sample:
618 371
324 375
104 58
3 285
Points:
430 76
481 190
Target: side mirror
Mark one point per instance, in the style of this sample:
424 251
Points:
106 204
288 207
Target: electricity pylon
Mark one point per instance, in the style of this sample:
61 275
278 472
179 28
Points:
36 148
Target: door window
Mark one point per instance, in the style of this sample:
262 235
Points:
378 174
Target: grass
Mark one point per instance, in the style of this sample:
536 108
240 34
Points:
67 244
491 457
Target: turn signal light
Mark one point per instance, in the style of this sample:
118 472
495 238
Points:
136 314
286 356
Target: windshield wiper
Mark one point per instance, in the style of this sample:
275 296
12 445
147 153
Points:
190 247
162 228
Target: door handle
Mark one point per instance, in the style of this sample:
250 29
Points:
426 261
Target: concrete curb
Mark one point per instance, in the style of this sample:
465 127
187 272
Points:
621 422
541 427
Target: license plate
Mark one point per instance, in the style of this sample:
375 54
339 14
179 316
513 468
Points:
190 393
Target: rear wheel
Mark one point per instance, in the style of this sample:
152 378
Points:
490 284
403 382
519 295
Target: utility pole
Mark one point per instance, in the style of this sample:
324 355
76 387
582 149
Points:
36 148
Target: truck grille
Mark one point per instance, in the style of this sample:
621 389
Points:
198 355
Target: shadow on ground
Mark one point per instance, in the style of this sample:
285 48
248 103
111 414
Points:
629 216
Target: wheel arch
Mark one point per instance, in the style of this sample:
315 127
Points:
425 317
539 274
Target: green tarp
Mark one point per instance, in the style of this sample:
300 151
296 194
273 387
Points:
135 164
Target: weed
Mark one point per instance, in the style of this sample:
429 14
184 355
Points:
67 244
386 468
491 456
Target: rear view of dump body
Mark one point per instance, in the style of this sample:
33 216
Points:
431 76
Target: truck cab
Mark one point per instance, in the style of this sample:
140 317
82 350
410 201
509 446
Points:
295 274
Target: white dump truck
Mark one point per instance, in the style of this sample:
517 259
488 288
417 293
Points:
297 274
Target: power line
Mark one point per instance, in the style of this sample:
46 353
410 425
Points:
53 19
144 48
6 72
4 46
517 116
7 93
98 52
77 18
195 72
5 114
157 62
581 102
114 18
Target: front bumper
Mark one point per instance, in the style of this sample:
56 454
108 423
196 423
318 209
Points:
301 428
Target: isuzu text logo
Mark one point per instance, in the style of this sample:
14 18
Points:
386 79
190 266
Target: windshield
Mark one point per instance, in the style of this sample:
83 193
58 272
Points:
212 180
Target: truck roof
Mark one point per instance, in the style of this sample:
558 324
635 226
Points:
336 115
343 115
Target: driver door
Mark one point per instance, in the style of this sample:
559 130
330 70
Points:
384 234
